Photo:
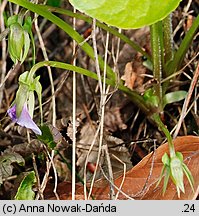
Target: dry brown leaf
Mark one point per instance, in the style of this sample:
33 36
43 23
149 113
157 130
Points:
129 76
141 180
134 74
136 184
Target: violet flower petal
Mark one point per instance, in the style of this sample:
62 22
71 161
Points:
24 120
12 113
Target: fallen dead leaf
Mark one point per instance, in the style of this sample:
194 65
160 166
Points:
129 76
134 74
141 180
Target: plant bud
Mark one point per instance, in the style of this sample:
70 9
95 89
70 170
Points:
16 42
19 38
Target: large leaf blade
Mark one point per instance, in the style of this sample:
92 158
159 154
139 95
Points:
127 14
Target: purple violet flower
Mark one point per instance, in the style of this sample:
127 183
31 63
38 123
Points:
24 120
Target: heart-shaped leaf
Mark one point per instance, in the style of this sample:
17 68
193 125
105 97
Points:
126 14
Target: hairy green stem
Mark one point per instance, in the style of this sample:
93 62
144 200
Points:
157 51
168 39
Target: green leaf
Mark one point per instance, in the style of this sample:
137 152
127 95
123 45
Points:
47 137
6 161
54 3
25 191
150 97
127 14
174 97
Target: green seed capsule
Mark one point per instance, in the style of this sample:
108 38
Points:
177 172
16 42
